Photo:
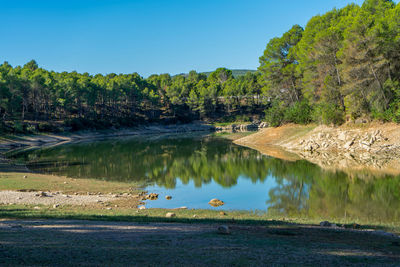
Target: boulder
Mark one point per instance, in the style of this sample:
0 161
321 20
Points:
223 230
216 202
170 215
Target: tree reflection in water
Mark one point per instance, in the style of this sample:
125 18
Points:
300 188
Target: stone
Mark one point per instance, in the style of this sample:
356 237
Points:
222 213
151 196
43 194
216 203
348 144
342 136
25 176
325 224
56 206
36 208
194 216
168 197
109 208
170 215
224 230
142 207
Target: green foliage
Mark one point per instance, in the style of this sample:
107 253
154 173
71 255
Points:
346 63
30 95
275 115
327 113
299 113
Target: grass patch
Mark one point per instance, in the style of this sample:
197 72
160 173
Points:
42 182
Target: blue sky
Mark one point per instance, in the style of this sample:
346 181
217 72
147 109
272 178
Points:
148 36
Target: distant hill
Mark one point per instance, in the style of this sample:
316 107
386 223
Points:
235 73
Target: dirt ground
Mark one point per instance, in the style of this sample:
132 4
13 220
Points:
91 243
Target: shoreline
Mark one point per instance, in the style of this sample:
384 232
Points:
350 148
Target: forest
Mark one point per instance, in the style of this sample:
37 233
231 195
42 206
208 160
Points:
344 65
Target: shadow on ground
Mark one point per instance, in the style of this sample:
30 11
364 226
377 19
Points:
92 243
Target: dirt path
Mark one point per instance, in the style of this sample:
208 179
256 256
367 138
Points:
91 243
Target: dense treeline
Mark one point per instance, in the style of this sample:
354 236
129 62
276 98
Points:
31 94
344 65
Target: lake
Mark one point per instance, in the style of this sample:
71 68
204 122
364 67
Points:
195 169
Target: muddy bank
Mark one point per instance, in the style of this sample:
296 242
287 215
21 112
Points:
45 140
373 147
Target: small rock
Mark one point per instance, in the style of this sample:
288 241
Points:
56 206
36 208
168 197
142 207
216 202
195 216
116 206
65 183
222 213
224 230
170 215
348 144
18 198
109 208
325 224
151 196
43 194
25 176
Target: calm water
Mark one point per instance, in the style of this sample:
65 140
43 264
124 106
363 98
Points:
194 170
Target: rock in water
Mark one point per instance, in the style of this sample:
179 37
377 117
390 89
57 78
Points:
216 202
224 230
152 196
168 197
170 215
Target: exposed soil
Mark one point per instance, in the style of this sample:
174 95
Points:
54 198
91 243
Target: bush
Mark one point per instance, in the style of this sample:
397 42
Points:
274 116
328 114
299 113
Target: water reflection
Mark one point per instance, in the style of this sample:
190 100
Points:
297 188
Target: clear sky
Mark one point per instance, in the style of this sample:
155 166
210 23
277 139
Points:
147 36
